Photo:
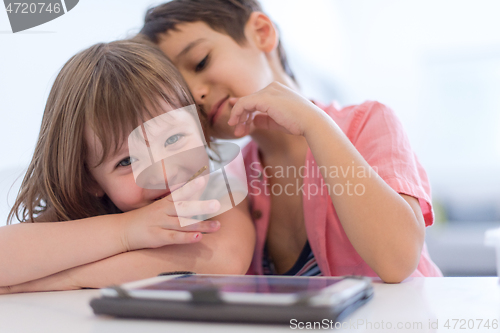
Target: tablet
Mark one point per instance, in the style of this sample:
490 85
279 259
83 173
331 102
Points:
264 299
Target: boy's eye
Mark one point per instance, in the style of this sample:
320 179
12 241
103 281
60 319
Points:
126 162
201 64
173 139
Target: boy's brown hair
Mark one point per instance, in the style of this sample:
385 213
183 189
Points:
106 88
226 16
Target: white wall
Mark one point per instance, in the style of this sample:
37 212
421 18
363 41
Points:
436 63
30 61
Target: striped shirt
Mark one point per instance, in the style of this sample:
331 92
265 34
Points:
305 265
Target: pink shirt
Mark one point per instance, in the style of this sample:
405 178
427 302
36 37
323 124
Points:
378 135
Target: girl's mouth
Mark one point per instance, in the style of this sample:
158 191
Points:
178 186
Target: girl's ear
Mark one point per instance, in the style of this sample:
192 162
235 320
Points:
261 30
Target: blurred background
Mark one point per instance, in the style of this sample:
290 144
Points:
435 63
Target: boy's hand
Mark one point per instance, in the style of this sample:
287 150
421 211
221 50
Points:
276 107
158 225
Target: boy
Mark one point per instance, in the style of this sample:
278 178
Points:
324 221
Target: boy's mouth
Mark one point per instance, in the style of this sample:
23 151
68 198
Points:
216 110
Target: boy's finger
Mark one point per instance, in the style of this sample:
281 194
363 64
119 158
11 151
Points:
239 130
236 112
247 127
232 101
245 116
248 104
233 119
265 122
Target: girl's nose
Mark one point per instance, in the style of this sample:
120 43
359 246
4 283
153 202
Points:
170 172
160 175
153 177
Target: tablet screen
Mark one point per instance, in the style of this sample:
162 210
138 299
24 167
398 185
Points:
244 284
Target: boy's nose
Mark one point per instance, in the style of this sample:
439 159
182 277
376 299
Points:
200 91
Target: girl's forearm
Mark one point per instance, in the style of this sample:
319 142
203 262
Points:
384 228
135 265
130 266
54 282
227 251
34 250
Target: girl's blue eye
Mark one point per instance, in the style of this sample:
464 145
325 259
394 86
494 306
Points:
202 64
173 139
126 161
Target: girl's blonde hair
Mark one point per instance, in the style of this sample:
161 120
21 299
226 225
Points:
106 87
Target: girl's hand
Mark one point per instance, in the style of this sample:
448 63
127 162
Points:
157 224
275 107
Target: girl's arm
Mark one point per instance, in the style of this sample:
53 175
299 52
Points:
228 251
34 250
385 228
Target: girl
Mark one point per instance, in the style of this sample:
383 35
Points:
87 222
332 191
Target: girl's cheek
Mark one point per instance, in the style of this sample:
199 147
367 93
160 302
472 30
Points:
128 195
128 202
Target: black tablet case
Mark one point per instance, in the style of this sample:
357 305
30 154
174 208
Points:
207 306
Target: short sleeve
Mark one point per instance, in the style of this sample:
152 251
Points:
379 136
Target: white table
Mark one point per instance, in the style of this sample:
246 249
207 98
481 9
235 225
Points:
415 302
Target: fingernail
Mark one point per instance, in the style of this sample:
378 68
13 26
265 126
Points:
214 224
196 236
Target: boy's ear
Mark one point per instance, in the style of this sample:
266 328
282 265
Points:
262 31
